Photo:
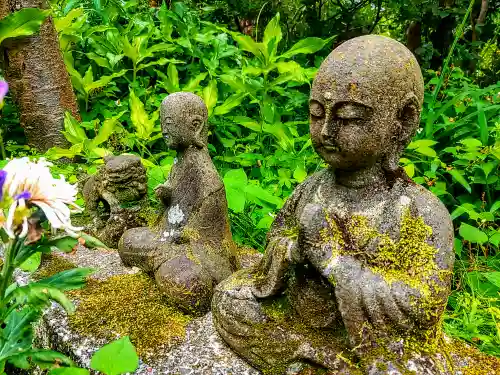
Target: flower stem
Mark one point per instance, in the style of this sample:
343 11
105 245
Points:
8 266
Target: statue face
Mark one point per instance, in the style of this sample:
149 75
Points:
183 121
349 134
365 103
181 131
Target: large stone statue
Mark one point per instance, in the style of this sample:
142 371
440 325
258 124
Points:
190 250
358 264
116 198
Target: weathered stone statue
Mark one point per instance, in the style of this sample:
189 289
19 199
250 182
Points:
190 250
116 198
358 263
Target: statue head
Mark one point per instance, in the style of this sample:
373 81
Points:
184 121
365 103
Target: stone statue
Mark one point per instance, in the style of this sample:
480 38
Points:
116 198
190 250
358 263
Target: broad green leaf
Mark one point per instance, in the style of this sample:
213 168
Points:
272 35
246 43
143 124
235 181
107 128
258 194
92 242
32 263
472 234
88 78
247 123
483 124
230 103
306 46
39 294
458 245
421 143
118 357
457 175
65 244
471 143
194 83
68 280
103 81
172 82
210 95
56 153
409 169
69 371
288 66
300 173
493 277
73 131
23 22
495 206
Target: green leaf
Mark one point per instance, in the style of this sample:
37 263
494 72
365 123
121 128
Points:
118 357
68 280
65 244
472 234
107 128
194 83
457 175
69 371
306 46
210 96
92 242
495 206
235 181
32 263
483 124
172 82
421 143
300 173
272 35
493 277
143 124
232 102
247 123
246 43
23 22
73 131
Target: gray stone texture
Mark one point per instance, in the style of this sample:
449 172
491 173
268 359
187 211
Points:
190 250
116 198
358 263
202 351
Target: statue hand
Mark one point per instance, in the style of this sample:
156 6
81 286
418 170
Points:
163 193
320 238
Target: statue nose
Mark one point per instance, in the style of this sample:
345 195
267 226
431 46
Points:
329 129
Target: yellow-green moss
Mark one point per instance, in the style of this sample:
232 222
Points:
128 305
51 265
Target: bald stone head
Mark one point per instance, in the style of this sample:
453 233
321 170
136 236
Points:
184 121
365 103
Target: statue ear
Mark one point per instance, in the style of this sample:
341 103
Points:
198 124
409 117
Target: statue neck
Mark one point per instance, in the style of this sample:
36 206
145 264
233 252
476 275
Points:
360 178
181 154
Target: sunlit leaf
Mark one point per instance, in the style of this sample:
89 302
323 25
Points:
118 357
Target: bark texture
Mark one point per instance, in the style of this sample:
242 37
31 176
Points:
39 81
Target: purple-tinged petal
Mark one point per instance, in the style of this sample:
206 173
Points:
4 88
3 176
24 195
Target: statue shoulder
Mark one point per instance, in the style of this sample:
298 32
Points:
434 214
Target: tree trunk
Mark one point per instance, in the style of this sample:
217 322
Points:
39 81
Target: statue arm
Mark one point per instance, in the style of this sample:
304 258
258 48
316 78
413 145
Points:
366 294
281 250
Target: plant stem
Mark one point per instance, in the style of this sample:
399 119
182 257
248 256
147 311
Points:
3 154
8 266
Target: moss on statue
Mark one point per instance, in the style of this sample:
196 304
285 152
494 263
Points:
128 305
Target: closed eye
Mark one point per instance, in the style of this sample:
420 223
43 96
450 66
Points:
353 111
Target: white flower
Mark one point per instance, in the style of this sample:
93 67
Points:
31 183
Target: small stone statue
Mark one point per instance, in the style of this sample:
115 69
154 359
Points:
190 250
358 263
116 197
